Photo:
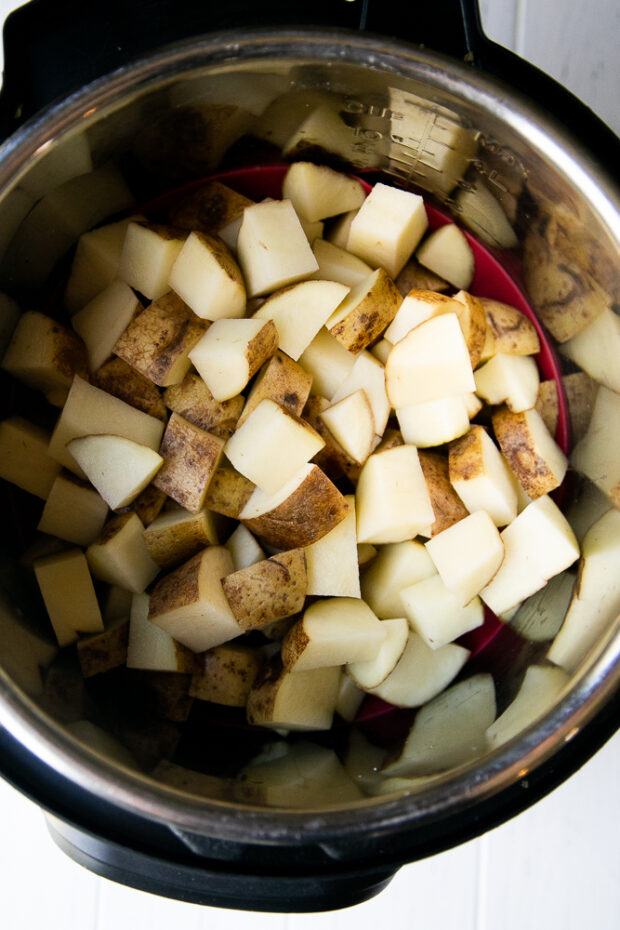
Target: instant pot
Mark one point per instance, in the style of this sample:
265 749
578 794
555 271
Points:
155 95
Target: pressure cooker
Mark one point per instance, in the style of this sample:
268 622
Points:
425 101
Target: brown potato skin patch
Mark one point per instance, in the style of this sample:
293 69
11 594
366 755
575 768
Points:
228 492
177 589
269 590
191 456
447 505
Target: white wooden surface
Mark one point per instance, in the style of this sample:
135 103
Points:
555 867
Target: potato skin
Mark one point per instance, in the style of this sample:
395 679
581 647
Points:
580 390
191 456
228 492
269 590
104 651
511 331
193 400
179 588
281 380
226 675
332 458
447 505
517 444
473 322
208 209
294 644
117 377
415 277
465 456
262 346
367 319
311 511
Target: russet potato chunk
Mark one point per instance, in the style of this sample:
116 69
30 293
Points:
228 492
208 279
421 673
532 453
103 320
332 561
149 252
100 652
388 227
447 253
418 306
332 458
190 604
447 505
336 264
67 589
45 355
120 379
302 511
508 330
395 567
318 192
176 535
119 555
190 456
150 647
159 340
467 555
225 674
269 590
334 631
117 467
95 263
193 400
281 380
301 700
231 352
480 476
392 499
365 312
209 209
510 379
270 427
73 511
438 615
24 457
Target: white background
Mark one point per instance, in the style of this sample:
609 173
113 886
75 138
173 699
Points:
555 867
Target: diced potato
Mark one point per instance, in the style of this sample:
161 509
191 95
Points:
228 492
89 411
117 467
431 362
24 458
437 615
95 263
225 674
396 567
365 312
272 247
100 652
508 330
158 342
351 421
193 400
73 511
269 590
332 632
510 379
120 379
369 374
149 252
45 355
332 561
393 503
532 453
328 362
244 548
67 590
119 555
421 673
190 604
300 513
318 192
190 456
177 534
350 698
269 427
447 505
102 321
414 277
472 320
209 209
481 477
371 673
447 253
332 458
147 505
150 647
208 279
336 264
467 555
299 311
388 227
281 380
434 422
301 700
231 352
538 544
417 307
596 347
597 455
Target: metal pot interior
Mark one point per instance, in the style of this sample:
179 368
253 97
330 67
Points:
424 122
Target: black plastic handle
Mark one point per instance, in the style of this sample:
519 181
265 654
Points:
53 47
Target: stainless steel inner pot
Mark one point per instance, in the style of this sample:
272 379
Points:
423 120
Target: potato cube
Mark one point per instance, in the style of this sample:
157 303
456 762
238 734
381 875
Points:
190 455
433 422
481 477
421 673
332 561
118 378
334 631
365 312
226 674
244 548
328 362
24 458
388 227
101 652
510 379
149 252
300 700
45 355
281 380
177 535
159 340
532 453
103 320
447 253
190 604
208 209
369 374
332 458
208 279
119 555
417 307
396 567
318 192
193 400
117 467
89 411
299 311
467 555
67 590
447 505
269 590
231 352
150 647
508 330
251 449
228 492
336 264
95 263
352 423
393 503
372 672
73 511
272 247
